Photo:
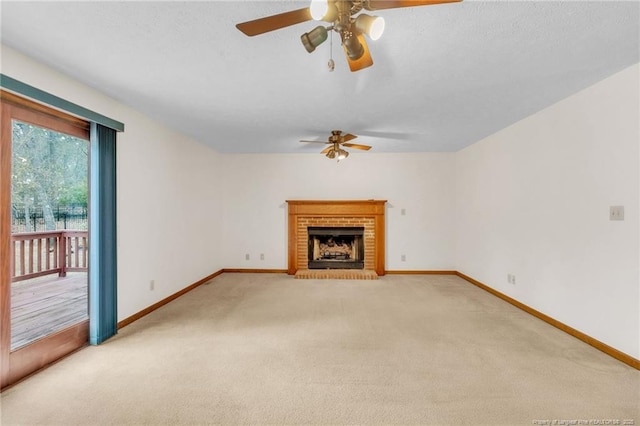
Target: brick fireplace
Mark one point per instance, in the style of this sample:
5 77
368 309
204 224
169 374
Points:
367 214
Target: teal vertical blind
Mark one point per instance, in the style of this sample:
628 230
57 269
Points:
103 281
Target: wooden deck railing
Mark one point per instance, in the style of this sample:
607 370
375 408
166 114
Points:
52 252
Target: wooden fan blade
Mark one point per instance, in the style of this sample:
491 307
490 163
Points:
348 137
327 149
356 146
364 61
394 4
274 22
323 142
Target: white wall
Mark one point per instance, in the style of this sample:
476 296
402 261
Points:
169 195
533 200
422 184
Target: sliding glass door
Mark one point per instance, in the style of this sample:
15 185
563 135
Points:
49 232
44 233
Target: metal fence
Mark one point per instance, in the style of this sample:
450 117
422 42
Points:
64 217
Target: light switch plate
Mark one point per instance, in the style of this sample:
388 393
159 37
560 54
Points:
616 213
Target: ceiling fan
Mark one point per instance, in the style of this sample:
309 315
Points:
336 141
344 18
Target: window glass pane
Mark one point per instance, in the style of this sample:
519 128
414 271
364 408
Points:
49 225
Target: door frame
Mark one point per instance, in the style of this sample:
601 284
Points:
15 365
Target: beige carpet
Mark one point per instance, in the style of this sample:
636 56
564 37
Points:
269 349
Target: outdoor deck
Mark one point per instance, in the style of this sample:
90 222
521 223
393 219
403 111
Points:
49 290
44 305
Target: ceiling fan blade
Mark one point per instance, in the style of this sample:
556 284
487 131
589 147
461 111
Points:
348 137
327 149
356 146
364 61
322 142
274 22
393 4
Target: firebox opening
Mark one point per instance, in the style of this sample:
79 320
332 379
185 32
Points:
336 248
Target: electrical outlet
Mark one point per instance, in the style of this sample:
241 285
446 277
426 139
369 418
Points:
261 256
403 212
616 213
152 285
247 257
403 257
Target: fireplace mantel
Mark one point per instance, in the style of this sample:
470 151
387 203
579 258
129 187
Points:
369 213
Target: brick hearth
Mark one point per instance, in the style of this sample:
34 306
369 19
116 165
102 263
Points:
368 214
336 274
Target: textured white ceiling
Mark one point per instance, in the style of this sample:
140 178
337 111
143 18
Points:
444 76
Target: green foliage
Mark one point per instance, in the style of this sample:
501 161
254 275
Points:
74 195
48 168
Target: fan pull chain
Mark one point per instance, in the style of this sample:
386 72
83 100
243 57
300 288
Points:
331 64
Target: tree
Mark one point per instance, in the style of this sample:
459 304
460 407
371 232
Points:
49 168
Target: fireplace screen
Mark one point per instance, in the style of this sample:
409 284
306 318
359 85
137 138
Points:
336 248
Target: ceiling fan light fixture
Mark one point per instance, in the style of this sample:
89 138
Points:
331 154
342 154
318 9
323 10
314 38
373 26
352 45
